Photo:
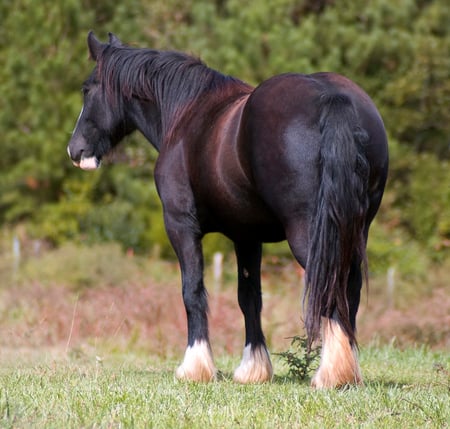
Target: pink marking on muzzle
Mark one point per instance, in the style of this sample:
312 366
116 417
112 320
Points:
91 163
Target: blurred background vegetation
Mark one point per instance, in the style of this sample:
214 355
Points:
397 51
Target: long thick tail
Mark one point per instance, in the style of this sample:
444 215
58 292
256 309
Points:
337 230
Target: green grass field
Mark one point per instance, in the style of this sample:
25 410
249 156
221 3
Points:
403 389
90 339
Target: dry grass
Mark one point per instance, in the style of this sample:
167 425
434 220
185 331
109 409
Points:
148 315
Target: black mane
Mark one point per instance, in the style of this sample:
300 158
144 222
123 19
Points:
173 80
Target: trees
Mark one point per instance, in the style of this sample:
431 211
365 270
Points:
397 51
43 63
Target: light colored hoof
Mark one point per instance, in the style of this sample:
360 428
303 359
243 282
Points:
255 366
331 380
198 364
339 360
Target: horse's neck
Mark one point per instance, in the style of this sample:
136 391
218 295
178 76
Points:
147 120
196 114
161 121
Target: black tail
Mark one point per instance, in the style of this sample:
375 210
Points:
337 231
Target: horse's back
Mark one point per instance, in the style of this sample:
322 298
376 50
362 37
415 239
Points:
289 99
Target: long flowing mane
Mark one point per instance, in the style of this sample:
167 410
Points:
172 80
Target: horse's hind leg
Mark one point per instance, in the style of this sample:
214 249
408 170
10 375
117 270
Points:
255 366
339 362
339 359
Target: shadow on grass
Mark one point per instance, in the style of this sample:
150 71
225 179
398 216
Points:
227 376
385 384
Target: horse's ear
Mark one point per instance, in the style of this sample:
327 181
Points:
95 46
114 40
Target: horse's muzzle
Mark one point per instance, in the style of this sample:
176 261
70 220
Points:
90 163
84 162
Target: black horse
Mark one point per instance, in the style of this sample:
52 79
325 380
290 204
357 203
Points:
301 157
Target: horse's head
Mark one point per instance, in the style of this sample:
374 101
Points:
100 125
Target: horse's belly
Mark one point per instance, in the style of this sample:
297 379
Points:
245 220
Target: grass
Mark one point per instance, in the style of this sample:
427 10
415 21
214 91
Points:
403 388
92 342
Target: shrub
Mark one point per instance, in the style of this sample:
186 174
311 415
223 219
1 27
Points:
300 360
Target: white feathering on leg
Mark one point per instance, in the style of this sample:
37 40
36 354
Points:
339 361
198 364
255 366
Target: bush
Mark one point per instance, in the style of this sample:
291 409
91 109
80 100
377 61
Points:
300 360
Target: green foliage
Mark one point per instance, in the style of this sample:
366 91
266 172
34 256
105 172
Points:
300 360
398 52
389 248
426 197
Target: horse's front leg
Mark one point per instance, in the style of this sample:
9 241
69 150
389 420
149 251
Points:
255 366
198 362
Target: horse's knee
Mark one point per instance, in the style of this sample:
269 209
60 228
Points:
339 361
255 366
198 364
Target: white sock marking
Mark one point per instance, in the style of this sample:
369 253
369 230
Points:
339 361
198 364
255 366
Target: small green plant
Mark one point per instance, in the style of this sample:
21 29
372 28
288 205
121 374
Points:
300 359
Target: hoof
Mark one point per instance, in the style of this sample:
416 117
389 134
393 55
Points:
255 366
339 361
331 380
198 364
